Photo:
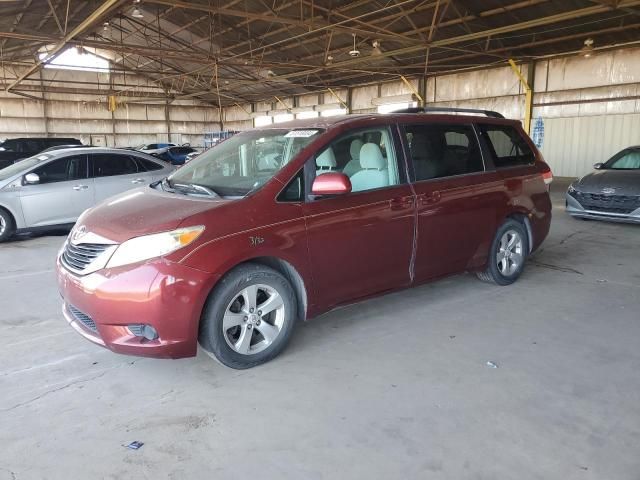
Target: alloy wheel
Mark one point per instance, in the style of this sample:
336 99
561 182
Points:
254 319
510 256
3 225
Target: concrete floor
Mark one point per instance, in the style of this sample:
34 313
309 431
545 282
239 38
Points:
393 388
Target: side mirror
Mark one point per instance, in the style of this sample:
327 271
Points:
331 183
598 165
31 179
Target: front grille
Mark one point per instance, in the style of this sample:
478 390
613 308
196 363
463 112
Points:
83 318
623 204
79 256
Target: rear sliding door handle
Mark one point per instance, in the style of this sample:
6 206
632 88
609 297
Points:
400 203
77 188
431 197
138 180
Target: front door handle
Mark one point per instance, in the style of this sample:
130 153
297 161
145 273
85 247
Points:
77 188
138 180
430 198
400 203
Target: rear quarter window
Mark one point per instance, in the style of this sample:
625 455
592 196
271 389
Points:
507 146
146 165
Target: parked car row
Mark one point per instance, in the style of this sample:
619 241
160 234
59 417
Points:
169 152
176 155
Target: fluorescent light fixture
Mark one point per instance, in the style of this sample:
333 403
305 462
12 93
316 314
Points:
281 111
283 117
328 106
307 114
301 109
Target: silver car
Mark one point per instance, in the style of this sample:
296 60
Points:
53 189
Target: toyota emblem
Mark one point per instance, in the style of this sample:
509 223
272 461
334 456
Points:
608 191
78 233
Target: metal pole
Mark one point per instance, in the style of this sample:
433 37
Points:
528 99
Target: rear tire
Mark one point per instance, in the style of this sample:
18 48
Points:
7 225
249 317
508 254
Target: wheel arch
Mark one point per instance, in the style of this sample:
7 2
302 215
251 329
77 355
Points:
286 269
523 218
11 214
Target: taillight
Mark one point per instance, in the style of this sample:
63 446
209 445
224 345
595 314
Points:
547 176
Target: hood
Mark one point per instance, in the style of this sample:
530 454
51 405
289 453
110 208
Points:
143 211
624 182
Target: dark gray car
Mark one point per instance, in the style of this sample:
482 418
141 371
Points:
15 149
612 192
53 189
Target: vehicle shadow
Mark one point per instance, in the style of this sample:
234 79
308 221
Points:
19 238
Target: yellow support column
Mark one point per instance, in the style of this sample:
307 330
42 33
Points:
528 99
342 102
421 102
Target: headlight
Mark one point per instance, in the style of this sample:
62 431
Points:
152 246
571 189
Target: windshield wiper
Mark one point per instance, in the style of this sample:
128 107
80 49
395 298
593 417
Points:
194 187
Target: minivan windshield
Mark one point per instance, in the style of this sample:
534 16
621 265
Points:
244 162
22 166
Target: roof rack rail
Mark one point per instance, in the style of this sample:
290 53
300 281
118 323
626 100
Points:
488 113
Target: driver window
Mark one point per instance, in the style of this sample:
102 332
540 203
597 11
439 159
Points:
63 170
367 157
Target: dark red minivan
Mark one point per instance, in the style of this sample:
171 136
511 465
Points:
283 223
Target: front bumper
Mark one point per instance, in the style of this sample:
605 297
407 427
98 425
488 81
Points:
575 209
166 295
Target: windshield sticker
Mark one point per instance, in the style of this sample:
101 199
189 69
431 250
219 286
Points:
301 133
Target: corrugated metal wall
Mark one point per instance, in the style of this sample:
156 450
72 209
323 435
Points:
572 145
84 116
590 108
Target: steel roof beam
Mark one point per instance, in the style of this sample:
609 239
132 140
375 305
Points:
538 22
87 23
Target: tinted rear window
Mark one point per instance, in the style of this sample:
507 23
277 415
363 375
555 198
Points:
146 165
443 150
52 142
108 165
182 150
507 146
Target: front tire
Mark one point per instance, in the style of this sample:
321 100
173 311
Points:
508 254
7 225
249 317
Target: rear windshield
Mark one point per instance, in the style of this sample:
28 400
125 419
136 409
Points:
244 162
507 146
60 141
